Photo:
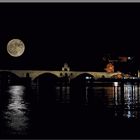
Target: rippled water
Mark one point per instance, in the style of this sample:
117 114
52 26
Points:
17 109
36 114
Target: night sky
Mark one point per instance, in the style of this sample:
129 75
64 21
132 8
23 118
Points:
80 34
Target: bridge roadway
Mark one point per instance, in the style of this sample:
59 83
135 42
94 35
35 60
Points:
71 74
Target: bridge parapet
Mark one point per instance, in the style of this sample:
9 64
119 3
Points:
71 74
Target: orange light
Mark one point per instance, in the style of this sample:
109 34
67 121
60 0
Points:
109 67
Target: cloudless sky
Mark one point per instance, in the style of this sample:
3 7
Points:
79 34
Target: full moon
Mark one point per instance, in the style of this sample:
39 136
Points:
15 47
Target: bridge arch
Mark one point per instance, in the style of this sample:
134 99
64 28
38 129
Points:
44 76
80 87
46 87
8 78
83 76
8 74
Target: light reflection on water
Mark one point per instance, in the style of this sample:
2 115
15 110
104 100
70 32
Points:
18 121
17 108
128 99
124 100
15 115
63 94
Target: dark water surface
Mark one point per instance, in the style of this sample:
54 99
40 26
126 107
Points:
97 111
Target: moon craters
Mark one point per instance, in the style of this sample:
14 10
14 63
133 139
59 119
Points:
15 47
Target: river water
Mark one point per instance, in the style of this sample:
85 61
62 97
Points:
98 111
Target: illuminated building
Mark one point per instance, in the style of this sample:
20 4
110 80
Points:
109 67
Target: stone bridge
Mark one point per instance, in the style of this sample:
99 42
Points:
71 74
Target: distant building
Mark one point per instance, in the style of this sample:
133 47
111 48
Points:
65 67
109 68
112 59
121 63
